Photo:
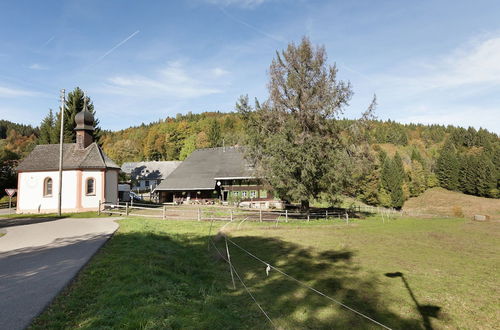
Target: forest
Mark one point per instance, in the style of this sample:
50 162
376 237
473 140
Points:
406 159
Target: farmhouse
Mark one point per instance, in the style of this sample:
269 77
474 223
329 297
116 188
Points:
88 177
215 173
148 175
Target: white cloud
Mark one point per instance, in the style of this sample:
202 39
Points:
36 66
16 92
173 80
219 72
476 64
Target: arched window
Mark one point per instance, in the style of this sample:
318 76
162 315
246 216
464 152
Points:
90 187
47 187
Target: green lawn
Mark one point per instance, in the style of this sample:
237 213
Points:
92 214
160 274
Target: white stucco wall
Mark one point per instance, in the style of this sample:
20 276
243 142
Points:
74 197
92 201
112 187
30 194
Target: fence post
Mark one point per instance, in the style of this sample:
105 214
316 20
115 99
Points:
164 212
126 209
260 215
286 215
229 261
99 209
131 202
231 214
326 215
199 214
347 217
307 216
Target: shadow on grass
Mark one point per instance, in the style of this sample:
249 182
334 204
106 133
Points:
152 279
425 311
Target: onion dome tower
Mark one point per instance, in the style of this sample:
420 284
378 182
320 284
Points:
84 126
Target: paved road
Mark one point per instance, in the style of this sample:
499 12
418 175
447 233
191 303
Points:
7 211
38 260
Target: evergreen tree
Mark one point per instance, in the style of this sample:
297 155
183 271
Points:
74 104
448 167
47 128
392 178
294 137
399 168
214 133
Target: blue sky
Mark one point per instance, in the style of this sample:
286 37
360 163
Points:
139 61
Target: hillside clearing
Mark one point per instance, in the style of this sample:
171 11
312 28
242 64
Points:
160 274
439 201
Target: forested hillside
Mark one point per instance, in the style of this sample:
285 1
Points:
16 141
407 159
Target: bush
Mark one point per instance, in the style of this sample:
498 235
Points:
457 212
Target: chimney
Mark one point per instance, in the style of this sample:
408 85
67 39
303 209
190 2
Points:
84 127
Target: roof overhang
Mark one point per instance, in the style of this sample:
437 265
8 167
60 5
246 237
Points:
236 178
182 189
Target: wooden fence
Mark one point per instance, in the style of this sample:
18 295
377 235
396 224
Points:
217 213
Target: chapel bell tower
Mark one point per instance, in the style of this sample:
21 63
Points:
84 127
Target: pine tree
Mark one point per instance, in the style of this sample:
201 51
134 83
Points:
47 128
399 168
214 133
448 167
74 104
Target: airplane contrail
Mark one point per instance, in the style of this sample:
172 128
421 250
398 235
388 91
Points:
250 26
115 47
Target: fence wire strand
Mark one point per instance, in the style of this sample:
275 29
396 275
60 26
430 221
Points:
244 285
308 286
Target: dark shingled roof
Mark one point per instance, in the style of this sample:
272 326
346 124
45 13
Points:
204 166
154 170
46 158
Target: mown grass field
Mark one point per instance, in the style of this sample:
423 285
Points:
161 274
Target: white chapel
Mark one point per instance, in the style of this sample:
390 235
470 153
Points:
89 176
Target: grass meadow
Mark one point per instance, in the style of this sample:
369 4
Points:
405 273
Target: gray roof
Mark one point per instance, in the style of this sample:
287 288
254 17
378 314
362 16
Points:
150 170
204 166
45 157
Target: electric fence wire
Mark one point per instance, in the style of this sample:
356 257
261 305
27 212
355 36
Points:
308 286
243 283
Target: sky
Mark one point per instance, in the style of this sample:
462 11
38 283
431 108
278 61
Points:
140 61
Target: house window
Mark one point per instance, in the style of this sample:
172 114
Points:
146 183
263 194
47 187
90 187
253 194
243 194
235 194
